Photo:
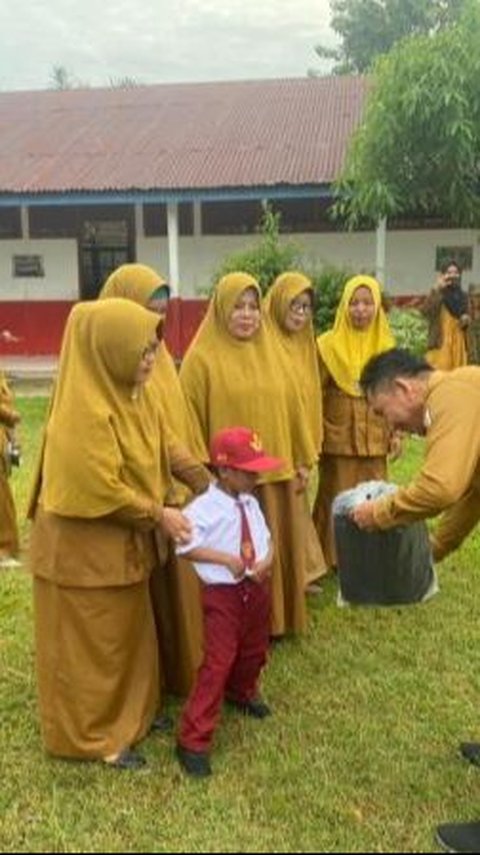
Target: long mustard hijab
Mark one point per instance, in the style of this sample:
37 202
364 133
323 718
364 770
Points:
6 402
345 350
297 349
229 382
138 282
102 446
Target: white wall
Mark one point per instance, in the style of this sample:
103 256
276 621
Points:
200 257
410 259
60 263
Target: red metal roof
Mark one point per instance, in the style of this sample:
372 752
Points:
178 136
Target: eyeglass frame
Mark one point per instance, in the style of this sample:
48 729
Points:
301 308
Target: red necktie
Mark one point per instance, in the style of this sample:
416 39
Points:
247 549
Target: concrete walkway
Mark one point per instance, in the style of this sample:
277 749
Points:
29 376
29 367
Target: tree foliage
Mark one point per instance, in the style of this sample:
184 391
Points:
418 148
268 258
125 82
410 329
328 285
61 78
370 28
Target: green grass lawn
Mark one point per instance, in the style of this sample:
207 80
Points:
360 755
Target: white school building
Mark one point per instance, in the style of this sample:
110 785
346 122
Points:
174 176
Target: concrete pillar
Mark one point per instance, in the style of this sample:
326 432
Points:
173 256
25 222
139 227
197 218
381 252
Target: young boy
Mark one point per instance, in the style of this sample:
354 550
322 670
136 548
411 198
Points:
231 551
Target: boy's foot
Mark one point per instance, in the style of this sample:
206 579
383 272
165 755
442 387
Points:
195 763
127 759
256 708
460 837
162 724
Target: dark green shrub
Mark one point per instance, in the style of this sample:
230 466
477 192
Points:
267 259
328 286
410 329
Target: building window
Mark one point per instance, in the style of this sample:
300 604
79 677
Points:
305 215
155 220
67 221
27 265
10 223
231 218
462 255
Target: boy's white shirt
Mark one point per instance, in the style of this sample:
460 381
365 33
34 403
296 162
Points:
216 522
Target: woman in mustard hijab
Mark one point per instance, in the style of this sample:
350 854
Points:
356 441
174 587
231 375
143 285
104 474
9 418
289 310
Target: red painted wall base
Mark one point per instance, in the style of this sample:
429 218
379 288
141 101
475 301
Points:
39 326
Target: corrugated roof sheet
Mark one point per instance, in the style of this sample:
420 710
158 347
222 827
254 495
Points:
178 136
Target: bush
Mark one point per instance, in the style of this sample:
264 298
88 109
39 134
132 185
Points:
328 285
267 259
410 329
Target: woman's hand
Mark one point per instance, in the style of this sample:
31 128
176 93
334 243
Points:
363 515
176 525
6 335
301 479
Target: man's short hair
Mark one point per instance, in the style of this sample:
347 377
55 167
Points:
382 370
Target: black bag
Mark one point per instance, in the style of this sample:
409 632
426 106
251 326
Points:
383 567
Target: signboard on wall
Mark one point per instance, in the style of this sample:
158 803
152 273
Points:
27 265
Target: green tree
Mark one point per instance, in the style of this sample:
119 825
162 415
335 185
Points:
410 329
418 148
328 284
123 82
370 28
267 259
61 78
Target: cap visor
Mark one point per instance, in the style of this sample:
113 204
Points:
261 464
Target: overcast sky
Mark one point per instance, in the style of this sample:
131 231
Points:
155 41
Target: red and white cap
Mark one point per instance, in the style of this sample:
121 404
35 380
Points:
241 448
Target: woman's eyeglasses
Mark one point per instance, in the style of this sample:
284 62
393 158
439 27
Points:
301 308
